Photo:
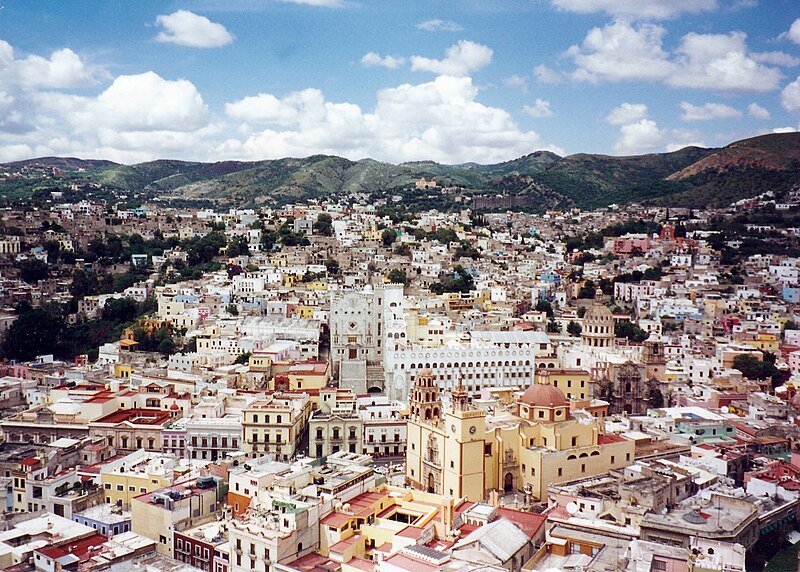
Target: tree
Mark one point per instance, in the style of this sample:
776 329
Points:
120 310
204 249
397 276
33 333
332 266
544 306
323 225
460 281
588 290
232 309
243 358
402 250
656 398
238 247
53 248
32 270
574 328
388 236
553 327
754 368
629 330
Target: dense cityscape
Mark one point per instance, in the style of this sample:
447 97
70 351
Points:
313 386
380 286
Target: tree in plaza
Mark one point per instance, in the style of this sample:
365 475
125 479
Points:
574 328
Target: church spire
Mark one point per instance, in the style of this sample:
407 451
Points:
460 396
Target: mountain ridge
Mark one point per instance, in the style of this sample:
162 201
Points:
692 176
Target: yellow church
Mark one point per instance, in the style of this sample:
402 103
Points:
463 453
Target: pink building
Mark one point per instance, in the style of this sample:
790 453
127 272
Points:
630 244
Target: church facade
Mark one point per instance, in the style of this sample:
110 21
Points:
462 453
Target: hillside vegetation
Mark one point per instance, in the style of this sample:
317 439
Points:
692 176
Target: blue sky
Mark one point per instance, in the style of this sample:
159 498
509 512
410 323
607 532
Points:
451 81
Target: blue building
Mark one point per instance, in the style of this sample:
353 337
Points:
106 519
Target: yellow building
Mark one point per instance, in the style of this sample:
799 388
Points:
573 382
135 474
535 444
275 425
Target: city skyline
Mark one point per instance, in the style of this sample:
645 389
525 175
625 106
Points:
446 81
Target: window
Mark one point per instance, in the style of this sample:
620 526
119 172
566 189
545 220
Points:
658 564
574 441
560 471
120 487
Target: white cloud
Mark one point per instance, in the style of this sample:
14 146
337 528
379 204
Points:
437 25
540 108
516 81
721 62
707 111
776 58
439 120
546 75
637 133
648 9
790 96
137 117
16 152
680 138
627 113
460 59
320 3
785 130
644 136
146 102
145 116
373 59
622 51
755 111
794 32
186 28
64 69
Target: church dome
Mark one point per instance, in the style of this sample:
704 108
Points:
425 372
542 395
598 313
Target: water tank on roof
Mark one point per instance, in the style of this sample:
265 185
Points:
206 482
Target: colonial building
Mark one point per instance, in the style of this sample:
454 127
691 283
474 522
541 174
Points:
598 326
534 444
358 327
275 425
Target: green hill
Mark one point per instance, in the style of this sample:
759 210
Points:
691 176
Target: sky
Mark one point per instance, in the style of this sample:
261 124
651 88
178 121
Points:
396 80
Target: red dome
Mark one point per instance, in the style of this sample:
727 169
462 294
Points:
541 395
